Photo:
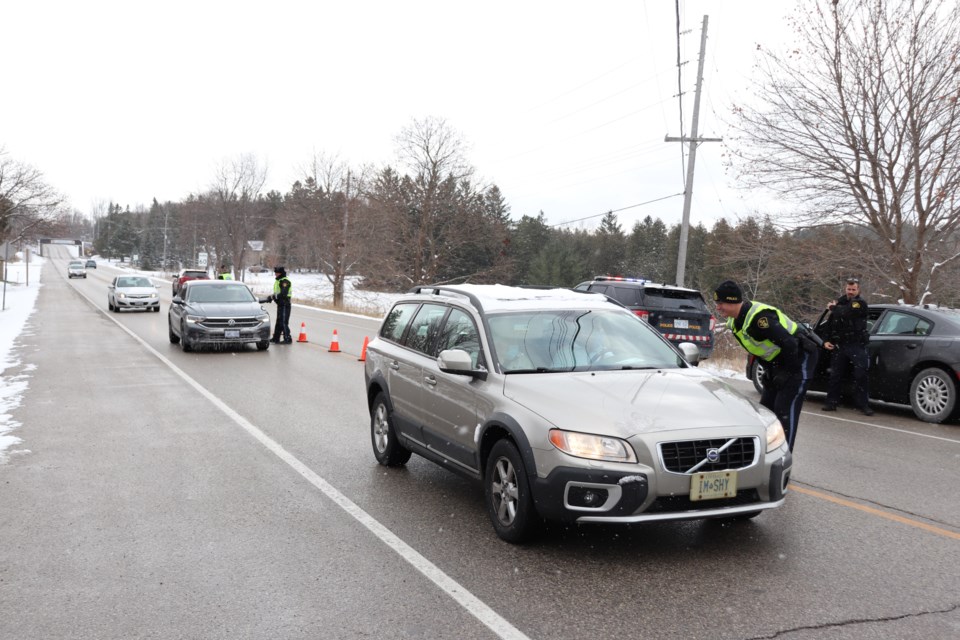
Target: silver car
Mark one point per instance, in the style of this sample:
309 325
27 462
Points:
132 292
76 269
566 407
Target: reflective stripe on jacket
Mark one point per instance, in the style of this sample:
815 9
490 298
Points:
765 350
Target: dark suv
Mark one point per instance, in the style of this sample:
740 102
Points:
188 274
680 314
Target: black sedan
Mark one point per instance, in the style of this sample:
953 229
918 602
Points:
217 312
914 359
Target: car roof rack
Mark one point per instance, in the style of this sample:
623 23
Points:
439 289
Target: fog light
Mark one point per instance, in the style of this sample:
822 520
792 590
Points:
589 497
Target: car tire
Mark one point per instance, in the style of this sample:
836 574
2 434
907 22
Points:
756 375
933 395
174 338
109 304
383 436
184 341
507 490
263 345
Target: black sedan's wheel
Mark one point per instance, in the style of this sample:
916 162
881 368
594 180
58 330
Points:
933 395
386 446
174 338
507 490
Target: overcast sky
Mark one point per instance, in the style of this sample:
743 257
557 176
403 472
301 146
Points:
565 105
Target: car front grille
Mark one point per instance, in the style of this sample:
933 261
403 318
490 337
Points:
137 296
230 323
719 454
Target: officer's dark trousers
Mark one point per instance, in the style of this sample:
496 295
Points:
842 358
283 323
786 399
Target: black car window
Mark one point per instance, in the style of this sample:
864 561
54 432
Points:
899 324
459 332
424 326
397 321
629 296
674 299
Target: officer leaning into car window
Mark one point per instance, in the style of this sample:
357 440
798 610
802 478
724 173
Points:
282 292
847 343
225 273
788 354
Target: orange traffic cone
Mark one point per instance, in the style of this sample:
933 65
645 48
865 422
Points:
335 345
363 352
303 332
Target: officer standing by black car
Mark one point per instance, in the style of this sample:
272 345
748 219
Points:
282 293
788 351
847 343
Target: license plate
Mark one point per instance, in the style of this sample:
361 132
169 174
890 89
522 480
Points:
231 334
713 485
681 324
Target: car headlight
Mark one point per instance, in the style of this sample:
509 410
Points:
592 447
121 295
775 436
263 317
153 295
193 319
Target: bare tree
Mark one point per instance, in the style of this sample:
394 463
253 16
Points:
26 200
859 123
235 201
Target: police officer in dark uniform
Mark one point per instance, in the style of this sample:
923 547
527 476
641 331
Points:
847 343
789 354
282 293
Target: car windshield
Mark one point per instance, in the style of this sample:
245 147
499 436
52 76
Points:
219 293
577 340
76 264
134 282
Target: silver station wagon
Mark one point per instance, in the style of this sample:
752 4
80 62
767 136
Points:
567 407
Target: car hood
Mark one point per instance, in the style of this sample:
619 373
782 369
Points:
225 309
633 402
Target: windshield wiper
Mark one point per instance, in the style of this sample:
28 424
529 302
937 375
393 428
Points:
537 370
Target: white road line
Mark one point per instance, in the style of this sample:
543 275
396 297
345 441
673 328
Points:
880 426
448 585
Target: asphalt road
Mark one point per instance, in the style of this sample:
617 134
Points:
233 494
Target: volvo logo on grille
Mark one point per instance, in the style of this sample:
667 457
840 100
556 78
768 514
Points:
713 455
231 322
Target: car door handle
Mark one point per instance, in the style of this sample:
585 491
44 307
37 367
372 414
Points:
395 365
430 380
911 346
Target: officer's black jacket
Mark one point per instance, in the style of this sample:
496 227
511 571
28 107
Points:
848 321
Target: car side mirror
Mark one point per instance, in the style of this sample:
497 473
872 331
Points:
177 300
690 353
459 362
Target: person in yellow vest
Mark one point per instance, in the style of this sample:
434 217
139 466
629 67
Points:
225 273
789 355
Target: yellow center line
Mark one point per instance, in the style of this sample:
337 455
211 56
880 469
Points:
877 512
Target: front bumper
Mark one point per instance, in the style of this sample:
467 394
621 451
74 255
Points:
133 303
585 495
205 335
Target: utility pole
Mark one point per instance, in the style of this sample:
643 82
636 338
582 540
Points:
691 159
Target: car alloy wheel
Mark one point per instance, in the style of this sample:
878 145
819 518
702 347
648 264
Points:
933 395
507 489
386 446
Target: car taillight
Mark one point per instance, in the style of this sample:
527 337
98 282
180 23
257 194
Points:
643 315
713 324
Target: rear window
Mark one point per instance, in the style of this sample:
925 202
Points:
195 274
674 299
397 320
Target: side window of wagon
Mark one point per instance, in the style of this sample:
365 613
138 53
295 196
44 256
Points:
397 321
424 327
459 332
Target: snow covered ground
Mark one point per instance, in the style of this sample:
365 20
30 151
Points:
23 286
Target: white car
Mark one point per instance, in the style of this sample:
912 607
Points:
133 292
76 269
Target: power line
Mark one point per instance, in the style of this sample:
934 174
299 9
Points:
632 206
